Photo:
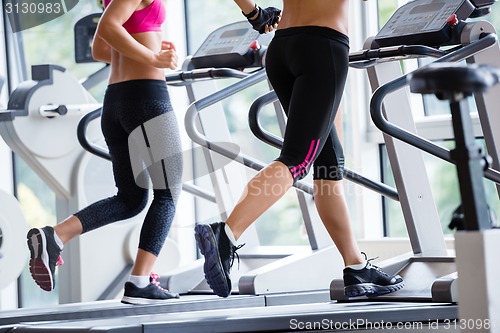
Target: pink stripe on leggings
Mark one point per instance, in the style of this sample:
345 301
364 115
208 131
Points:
309 158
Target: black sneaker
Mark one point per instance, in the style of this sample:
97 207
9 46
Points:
45 255
370 281
151 294
219 255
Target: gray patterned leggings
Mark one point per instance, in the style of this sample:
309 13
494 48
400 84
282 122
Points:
152 158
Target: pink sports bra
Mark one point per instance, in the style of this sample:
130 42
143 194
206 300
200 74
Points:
147 19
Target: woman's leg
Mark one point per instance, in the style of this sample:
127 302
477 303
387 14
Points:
272 182
304 82
305 90
332 208
130 199
144 263
330 199
69 229
160 130
45 244
155 158
263 190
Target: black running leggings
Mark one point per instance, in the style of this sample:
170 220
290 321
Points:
127 106
307 67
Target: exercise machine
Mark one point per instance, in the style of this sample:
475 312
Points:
429 271
477 246
13 229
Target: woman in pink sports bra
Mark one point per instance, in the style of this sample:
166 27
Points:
129 37
136 101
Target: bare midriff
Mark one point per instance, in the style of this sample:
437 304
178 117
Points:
126 69
324 13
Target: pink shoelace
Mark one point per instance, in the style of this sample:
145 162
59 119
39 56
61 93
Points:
154 278
60 261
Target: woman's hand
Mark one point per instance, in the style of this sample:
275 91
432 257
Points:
166 45
265 20
167 57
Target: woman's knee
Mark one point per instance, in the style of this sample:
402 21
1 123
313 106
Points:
135 200
296 173
167 195
300 161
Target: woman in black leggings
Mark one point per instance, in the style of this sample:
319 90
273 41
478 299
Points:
307 65
142 136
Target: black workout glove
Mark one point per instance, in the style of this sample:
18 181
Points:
268 16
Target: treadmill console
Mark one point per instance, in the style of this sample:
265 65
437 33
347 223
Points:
84 31
228 46
424 22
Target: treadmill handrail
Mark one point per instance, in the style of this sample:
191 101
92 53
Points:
487 41
202 140
182 78
81 131
277 142
368 57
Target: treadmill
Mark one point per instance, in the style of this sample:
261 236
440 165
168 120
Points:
438 30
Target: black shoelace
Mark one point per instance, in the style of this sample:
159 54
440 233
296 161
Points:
368 263
234 253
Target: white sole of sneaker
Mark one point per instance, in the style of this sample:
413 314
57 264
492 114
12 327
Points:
371 289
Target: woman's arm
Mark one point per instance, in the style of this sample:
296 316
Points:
101 50
246 6
111 30
262 20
